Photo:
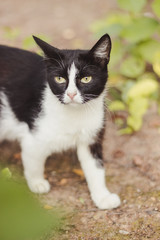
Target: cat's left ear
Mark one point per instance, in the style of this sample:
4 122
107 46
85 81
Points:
46 48
101 50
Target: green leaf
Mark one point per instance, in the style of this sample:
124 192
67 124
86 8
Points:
6 173
138 106
11 33
127 130
29 43
21 215
117 53
125 88
117 105
148 49
132 67
156 7
115 93
134 122
112 24
143 88
156 63
132 5
147 75
156 67
140 29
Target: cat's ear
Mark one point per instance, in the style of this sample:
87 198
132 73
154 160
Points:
46 48
101 50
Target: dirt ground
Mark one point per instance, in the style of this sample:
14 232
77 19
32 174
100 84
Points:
132 162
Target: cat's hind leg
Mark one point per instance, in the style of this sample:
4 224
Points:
95 177
33 158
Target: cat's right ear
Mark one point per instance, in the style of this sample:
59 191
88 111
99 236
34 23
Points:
46 48
101 50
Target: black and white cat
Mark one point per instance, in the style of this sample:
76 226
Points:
56 103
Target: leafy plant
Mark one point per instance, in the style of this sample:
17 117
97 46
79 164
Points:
22 217
135 58
28 43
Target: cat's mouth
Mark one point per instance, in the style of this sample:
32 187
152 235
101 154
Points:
73 103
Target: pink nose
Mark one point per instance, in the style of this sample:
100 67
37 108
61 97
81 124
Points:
72 95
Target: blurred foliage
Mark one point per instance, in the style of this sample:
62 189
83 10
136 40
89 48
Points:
28 43
22 217
135 58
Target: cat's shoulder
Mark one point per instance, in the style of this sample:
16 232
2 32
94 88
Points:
9 52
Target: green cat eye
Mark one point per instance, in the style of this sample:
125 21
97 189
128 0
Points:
86 79
60 79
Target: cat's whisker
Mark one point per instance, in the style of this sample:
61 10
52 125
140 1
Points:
109 114
89 106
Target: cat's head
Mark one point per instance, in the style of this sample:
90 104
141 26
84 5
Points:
77 76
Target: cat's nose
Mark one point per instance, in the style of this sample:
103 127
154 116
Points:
71 94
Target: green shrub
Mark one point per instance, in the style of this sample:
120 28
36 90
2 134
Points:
22 217
135 58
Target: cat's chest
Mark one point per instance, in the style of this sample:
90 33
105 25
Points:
65 127
71 123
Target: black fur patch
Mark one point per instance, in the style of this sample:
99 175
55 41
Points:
96 148
22 78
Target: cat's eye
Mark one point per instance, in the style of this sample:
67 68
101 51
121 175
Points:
60 79
86 79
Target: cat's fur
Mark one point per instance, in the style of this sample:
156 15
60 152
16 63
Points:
46 116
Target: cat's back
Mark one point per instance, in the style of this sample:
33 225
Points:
17 64
22 81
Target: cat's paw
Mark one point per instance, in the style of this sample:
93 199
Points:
39 185
108 201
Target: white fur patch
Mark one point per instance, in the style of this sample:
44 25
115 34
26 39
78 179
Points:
95 177
72 89
10 127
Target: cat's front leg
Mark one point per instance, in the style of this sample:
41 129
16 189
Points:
95 176
33 158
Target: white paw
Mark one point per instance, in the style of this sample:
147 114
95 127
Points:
39 185
108 201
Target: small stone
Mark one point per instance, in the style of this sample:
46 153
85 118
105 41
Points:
137 161
153 199
138 190
99 215
63 181
84 220
118 154
124 201
123 232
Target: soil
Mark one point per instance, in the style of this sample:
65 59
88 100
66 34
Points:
132 162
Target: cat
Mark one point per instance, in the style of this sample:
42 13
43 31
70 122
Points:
54 103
